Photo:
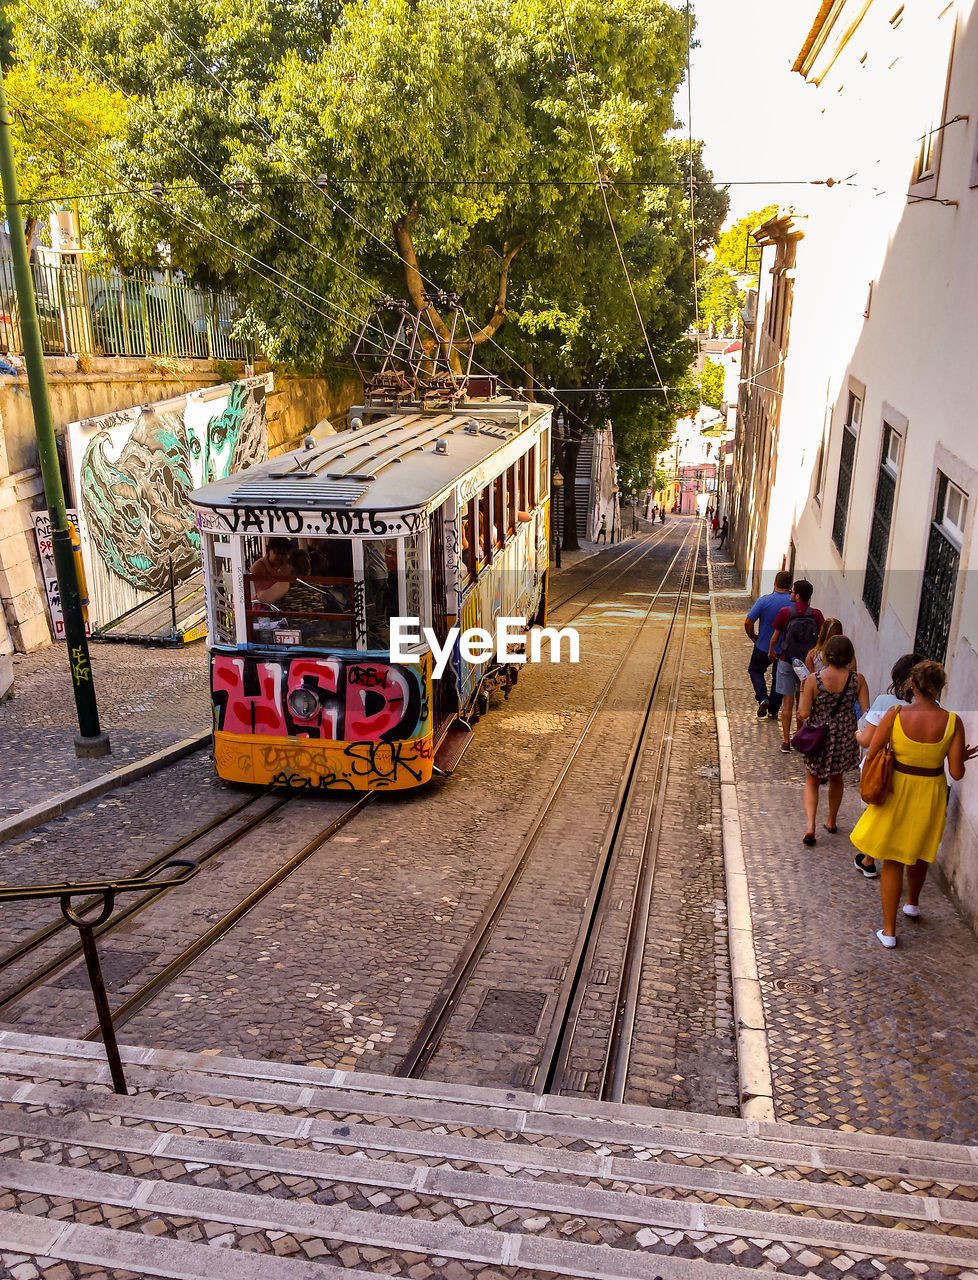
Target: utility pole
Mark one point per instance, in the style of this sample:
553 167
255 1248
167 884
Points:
90 740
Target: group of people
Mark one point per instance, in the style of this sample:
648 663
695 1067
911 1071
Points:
718 529
816 683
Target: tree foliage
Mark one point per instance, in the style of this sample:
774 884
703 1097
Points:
736 249
711 383
721 300
64 125
456 149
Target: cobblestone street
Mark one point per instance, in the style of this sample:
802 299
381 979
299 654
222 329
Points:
148 699
859 1037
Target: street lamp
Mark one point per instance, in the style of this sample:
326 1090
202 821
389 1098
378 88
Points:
634 502
558 490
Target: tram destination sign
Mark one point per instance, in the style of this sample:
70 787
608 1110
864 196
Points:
325 522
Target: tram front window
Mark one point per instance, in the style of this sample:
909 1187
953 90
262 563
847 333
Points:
310 600
380 588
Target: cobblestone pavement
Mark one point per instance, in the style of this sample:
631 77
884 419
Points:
860 1037
147 699
341 963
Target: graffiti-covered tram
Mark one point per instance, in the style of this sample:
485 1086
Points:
439 515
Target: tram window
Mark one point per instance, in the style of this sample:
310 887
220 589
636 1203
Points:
470 540
485 526
380 588
531 476
313 604
544 455
413 602
521 480
221 587
499 517
511 507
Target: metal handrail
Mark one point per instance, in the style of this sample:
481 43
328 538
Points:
104 893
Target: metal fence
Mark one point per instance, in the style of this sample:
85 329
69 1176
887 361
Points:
105 313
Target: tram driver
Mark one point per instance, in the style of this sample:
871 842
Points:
271 573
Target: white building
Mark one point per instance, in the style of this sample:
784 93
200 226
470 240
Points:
857 449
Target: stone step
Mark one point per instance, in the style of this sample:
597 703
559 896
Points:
419 1179
797 1146
530 1255
514 1160
40 1237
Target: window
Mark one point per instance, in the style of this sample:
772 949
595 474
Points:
879 535
927 147
498 513
941 570
301 595
925 165
544 454
485 525
521 481
847 457
531 473
820 458
470 540
511 507
221 577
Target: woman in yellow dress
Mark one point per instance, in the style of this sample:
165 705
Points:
906 830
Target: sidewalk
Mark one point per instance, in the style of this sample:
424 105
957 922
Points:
148 699
859 1037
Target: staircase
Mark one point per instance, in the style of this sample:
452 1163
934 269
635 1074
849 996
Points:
583 481
226 1168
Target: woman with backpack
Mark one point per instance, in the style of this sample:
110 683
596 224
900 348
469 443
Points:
796 632
828 702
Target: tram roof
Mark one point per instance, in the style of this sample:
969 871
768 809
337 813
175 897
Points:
390 463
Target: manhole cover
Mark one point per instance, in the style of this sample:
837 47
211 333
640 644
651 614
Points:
515 1012
795 986
117 968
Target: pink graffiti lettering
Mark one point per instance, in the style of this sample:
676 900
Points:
376 708
259 712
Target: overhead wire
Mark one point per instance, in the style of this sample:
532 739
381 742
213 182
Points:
692 185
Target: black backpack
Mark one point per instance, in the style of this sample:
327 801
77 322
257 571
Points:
800 636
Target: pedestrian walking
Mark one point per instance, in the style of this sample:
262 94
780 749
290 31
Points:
715 524
603 530
828 701
897 695
724 530
905 831
662 514
759 625
796 631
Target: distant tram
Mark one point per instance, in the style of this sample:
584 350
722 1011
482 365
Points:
421 511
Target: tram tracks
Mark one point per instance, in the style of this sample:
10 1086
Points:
550 1072
53 965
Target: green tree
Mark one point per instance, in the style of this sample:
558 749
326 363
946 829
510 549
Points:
720 299
736 249
456 149
64 124
711 383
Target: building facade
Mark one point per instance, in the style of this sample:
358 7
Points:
857 451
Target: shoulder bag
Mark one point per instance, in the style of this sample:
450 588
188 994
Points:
876 776
810 737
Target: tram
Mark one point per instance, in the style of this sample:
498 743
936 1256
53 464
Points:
430 506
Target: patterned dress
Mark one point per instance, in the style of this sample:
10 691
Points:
839 751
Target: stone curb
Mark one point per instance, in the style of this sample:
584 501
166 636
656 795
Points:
753 1053
48 809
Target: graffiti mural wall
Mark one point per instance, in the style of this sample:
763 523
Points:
371 727
132 472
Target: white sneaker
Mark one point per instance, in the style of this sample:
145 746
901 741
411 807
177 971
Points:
885 938
910 910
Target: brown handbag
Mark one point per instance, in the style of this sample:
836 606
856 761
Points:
876 777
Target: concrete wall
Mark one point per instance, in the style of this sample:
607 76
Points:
100 386
886 304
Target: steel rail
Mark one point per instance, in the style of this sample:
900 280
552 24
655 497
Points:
39 936
615 1074
558 1045
58 962
185 958
643 544
425 1044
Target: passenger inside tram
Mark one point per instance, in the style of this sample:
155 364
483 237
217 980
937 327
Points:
270 573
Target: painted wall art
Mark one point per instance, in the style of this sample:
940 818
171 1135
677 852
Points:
132 473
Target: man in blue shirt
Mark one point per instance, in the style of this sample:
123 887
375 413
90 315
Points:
759 625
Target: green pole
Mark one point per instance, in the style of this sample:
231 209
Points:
90 740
